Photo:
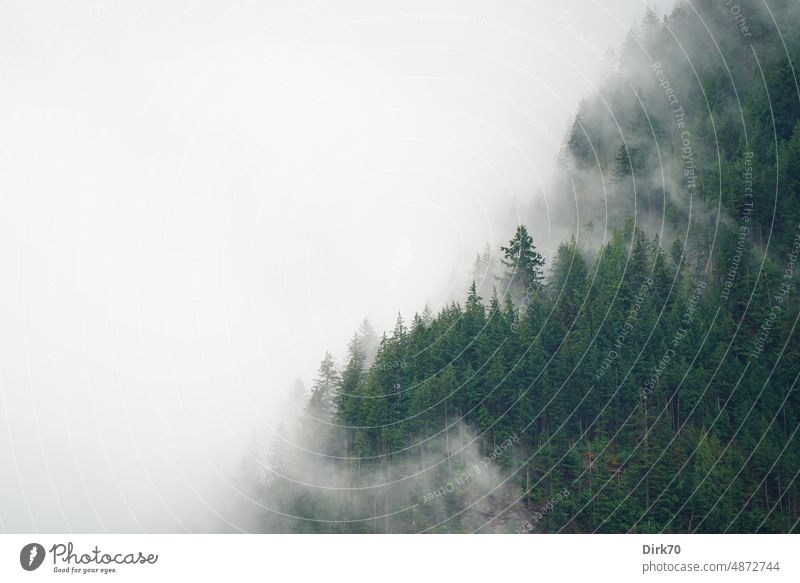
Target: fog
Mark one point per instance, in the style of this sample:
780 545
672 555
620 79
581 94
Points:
199 199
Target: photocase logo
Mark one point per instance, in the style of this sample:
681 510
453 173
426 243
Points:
31 556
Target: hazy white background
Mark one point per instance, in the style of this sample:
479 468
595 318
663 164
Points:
198 198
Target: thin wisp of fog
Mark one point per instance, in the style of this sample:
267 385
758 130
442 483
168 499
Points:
201 199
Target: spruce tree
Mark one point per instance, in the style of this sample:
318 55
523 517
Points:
524 266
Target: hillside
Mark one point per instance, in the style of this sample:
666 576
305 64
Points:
642 380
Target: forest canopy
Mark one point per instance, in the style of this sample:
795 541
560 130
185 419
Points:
641 380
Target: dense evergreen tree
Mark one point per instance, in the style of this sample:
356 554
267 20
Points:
523 265
651 384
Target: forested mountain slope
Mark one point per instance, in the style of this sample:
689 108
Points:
644 379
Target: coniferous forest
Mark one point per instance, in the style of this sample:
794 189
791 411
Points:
643 377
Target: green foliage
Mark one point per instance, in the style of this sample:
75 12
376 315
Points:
577 398
523 265
636 386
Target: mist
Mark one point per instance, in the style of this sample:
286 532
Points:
200 199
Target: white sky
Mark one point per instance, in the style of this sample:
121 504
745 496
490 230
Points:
198 198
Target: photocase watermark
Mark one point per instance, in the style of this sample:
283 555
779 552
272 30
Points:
393 365
460 480
539 515
679 115
466 475
521 108
66 560
462 18
32 556
524 303
100 8
784 291
677 338
499 449
627 327
741 21
168 447
569 21
744 229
